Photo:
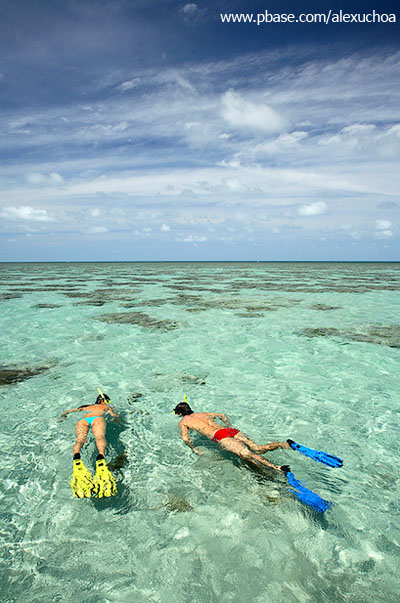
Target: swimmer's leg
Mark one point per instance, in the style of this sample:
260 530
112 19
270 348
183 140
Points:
239 448
81 431
260 448
99 432
104 482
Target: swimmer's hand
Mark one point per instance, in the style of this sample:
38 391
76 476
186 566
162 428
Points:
116 418
197 451
285 445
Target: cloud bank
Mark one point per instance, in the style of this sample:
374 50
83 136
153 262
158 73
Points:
256 150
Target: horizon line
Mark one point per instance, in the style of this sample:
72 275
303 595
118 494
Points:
199 261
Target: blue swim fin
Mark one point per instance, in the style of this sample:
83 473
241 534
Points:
307 496
317 455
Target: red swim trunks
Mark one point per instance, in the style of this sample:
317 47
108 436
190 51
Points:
226 432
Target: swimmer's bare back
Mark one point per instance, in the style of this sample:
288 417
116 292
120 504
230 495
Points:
203 422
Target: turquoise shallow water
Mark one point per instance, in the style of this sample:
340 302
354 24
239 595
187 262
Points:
307 351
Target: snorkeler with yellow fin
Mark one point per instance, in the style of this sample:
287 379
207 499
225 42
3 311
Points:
83 484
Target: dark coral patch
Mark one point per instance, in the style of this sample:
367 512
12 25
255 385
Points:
91 302
48 306
100 297
14 374
75 294
197 303
166 382
193 380
175 503
379 335
153 302
140 319
132 398
119 462
324 307
7 296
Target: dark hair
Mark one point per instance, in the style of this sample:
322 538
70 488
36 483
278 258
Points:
183 408
100 399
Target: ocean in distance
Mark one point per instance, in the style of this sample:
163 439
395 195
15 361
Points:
308 351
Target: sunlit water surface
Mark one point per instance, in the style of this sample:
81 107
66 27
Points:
307 351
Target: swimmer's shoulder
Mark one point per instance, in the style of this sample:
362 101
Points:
88 407
193 418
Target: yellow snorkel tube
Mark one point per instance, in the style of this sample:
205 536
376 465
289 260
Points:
184 399
103 396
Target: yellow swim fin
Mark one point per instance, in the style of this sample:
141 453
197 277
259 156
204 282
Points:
82 483
104 482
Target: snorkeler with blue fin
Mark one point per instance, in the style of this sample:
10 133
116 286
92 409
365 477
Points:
234 441
83 484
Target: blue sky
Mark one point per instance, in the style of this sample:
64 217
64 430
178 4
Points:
150 130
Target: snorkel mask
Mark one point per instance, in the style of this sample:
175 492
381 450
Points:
102 397
185 399
182 408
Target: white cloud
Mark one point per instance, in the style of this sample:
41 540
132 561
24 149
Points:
24 212
383 224
129 84
35 178
96 230
394 130
312 209
383 234
190 8
51 178
358 129
180 79
283 144
364 140
99 129
192 239
192 13
144 232
55 177
95 212
234 185
383 229
246 115
165 228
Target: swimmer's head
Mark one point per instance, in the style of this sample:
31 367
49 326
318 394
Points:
104 398
183 409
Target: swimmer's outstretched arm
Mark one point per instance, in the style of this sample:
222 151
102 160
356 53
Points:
113 413
116 416
186 438
64 414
